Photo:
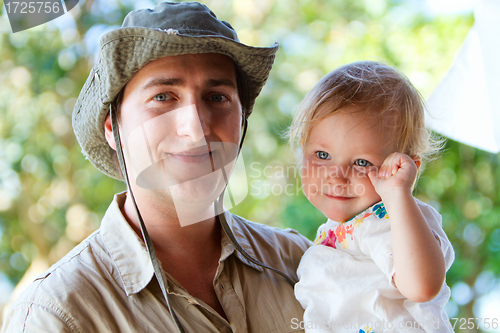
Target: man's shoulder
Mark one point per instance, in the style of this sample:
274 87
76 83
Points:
81 269
281 249
271 235
59 292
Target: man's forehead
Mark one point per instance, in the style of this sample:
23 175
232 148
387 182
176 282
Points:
154 81
212 69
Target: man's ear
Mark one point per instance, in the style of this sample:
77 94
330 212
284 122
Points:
417 160
108 132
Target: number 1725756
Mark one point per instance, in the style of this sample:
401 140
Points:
31 7
470 323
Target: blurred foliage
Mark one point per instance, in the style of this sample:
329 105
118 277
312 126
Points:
51 198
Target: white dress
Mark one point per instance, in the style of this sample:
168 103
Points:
346 279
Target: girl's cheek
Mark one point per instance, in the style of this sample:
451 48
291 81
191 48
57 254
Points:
306 169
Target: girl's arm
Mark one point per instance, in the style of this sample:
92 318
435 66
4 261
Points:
418 261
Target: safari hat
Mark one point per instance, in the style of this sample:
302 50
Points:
167 30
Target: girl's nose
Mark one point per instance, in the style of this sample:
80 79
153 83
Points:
338 175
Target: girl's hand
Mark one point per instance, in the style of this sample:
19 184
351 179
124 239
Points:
397 173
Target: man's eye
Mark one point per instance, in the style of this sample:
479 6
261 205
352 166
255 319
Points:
322 155
362 163
161 97
217 98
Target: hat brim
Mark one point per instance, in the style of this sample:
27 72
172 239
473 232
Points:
123 52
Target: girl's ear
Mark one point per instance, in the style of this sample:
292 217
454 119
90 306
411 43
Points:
108 132
417 160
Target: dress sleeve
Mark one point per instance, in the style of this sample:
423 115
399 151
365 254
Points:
376 243
435 222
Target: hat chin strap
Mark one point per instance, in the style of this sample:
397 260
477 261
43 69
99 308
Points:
218 208
145 235
225 225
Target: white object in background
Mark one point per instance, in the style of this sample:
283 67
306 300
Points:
465 106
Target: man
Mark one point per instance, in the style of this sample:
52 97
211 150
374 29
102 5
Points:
174 87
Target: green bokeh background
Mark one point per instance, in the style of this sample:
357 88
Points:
51 198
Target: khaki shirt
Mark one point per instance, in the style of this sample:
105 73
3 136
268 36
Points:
106 284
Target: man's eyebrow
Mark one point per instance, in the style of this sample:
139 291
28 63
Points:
163 82
212 83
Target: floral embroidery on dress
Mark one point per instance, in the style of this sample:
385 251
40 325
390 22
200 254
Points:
326 239
340 233
368 330
380 211
361 218
330 237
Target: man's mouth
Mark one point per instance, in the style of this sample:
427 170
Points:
194 155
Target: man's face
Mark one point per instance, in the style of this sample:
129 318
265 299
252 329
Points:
180 122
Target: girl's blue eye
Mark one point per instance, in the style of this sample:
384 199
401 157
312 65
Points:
362 163
323 155
160 97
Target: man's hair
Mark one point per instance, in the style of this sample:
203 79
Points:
375 88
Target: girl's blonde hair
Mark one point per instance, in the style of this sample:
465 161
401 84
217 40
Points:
369 86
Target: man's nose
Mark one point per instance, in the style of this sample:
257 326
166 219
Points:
192 123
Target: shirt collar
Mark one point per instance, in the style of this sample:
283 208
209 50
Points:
126 249
131 257
241 234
